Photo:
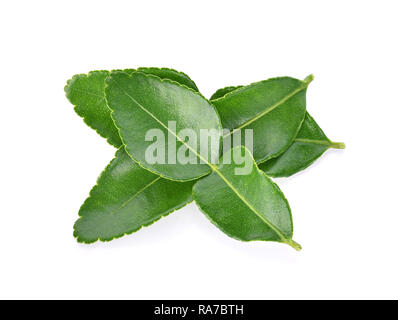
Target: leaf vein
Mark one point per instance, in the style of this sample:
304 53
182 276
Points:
274 106
135 195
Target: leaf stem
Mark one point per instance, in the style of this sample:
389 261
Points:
338 145
294 245
309 79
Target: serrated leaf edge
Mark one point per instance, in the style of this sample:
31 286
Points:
173 70
67 89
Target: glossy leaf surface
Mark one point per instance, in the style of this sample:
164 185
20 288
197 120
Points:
245 207
87 93
309 145
142 102
126 198
274 109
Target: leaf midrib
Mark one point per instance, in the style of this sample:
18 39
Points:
214 168
274 106
90 93
314 141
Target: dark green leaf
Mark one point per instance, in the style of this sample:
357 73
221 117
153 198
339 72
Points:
142 102
308 146
126 198
87 93
245 207
273 108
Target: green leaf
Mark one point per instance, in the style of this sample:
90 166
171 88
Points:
87 93
273 108
142 102
245 207
126 198
309 145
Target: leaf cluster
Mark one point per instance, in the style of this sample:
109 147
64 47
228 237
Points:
132 192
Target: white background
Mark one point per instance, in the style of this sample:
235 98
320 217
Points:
344 206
